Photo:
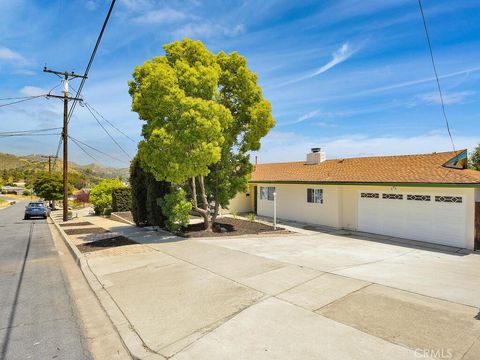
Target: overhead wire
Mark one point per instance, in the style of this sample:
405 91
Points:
87 69
108 122
81 148
442 102
23 100
108 133
97 150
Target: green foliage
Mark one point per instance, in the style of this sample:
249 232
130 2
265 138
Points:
121 199
204 113
101 194
175 95
26 193
145 192
49 186
251 216
234 214
474 161
176 209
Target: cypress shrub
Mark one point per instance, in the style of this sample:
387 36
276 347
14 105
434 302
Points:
146 192
121 199
138 193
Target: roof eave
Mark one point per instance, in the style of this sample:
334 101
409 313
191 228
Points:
400 184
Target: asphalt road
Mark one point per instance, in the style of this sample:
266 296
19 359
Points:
38 318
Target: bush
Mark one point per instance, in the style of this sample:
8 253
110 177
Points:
176 209
251 216
121 199
101 194
107 211
146 192
26 193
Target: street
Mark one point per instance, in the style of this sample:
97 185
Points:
38 319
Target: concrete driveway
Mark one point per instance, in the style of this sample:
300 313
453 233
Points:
320 296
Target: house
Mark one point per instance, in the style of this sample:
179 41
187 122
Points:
426 197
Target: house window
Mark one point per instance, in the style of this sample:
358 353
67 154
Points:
449 199
418 197
369 195
315 196
392 196
266 192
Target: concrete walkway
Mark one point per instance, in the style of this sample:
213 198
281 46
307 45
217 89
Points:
308 296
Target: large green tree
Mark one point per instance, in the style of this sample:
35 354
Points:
49 186
475 158
204 113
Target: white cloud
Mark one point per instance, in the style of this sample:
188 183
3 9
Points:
32 91
166 15
448 98
342 54
10 55
414 82
288 146
207 30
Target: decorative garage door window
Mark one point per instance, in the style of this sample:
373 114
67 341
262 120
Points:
392 196
418 197
448 199
266 192
370 195
315 196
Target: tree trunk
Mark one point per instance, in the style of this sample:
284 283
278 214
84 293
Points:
215 212
202 211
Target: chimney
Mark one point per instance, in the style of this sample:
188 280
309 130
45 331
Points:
316 156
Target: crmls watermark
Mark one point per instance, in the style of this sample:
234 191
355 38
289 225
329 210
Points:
434 353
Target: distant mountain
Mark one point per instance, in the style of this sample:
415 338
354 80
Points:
28 164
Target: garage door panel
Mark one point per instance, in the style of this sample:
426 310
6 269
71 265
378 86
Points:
432 221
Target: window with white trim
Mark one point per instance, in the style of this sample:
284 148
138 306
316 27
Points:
315 196
266 192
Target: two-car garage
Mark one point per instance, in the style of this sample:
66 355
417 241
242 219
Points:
432 217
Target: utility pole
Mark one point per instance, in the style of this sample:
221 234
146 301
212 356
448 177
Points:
66 77
49 157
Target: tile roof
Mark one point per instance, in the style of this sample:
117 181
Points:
422 168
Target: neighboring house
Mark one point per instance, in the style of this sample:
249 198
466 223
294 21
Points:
427 197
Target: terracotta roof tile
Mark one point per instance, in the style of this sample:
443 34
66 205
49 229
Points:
422 168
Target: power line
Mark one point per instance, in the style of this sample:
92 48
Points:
81 148
92 56
17 135
97 150
87 69
106 131
29 131
108 122
20 101
436 74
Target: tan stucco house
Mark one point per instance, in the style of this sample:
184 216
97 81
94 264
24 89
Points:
426 197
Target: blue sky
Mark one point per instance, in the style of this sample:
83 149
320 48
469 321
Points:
351 76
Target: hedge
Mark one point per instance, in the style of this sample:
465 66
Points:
121 199
145 193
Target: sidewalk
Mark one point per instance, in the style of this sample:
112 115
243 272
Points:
191 299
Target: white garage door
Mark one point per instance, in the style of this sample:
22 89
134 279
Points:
434 218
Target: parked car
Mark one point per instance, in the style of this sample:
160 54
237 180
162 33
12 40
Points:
36 209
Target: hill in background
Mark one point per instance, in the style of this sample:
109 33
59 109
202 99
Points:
17 168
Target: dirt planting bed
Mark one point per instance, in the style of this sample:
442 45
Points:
105 244
81 223
232 227
86 231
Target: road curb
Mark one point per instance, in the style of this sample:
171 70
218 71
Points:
132 341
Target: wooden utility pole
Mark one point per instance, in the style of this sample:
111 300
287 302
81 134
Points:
66 77
49 157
